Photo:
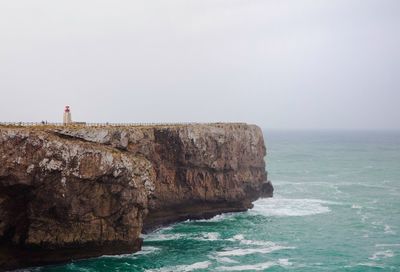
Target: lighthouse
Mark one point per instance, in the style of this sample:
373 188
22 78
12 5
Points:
67 116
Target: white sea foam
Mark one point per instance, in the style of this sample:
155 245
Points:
290 207
355 206
263 247
183 268
371 264
144 251
159 236
255 267
120 256
247 251
216 218
387 245
208 236
382 255
147 250
162 236
388 230
239 237
224 260
242 240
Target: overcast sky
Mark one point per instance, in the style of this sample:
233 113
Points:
279 64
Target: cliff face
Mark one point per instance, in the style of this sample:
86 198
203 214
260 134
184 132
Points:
78 192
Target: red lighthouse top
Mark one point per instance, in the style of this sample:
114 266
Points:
66 109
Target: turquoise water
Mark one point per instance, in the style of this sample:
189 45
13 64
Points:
336 208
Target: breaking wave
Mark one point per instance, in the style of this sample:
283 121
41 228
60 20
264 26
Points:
382 255
254 267
183 268
290 207
262 247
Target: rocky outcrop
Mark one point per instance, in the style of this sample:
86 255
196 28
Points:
77 192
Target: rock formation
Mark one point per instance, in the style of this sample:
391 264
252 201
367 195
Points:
78 192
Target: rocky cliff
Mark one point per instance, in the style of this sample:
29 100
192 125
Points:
78 192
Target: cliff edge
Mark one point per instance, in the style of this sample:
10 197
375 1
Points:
77 192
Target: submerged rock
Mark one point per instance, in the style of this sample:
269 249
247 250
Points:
74 193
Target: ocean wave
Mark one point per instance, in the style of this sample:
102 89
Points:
120 256
216 218
382 255
144 251
182 268
355 206
290 207
147 250
223 259
387 245
388 230
240 238
330 184
228 252
370 264
159 236
262 247
255 267
208 236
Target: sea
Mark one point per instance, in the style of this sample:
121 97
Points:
336 207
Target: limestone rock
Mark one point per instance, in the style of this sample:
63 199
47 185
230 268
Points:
79 192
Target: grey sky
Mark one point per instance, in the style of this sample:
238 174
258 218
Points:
279 64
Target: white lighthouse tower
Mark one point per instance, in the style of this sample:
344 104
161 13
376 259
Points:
67 116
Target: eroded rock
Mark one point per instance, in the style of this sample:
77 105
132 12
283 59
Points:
79 192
